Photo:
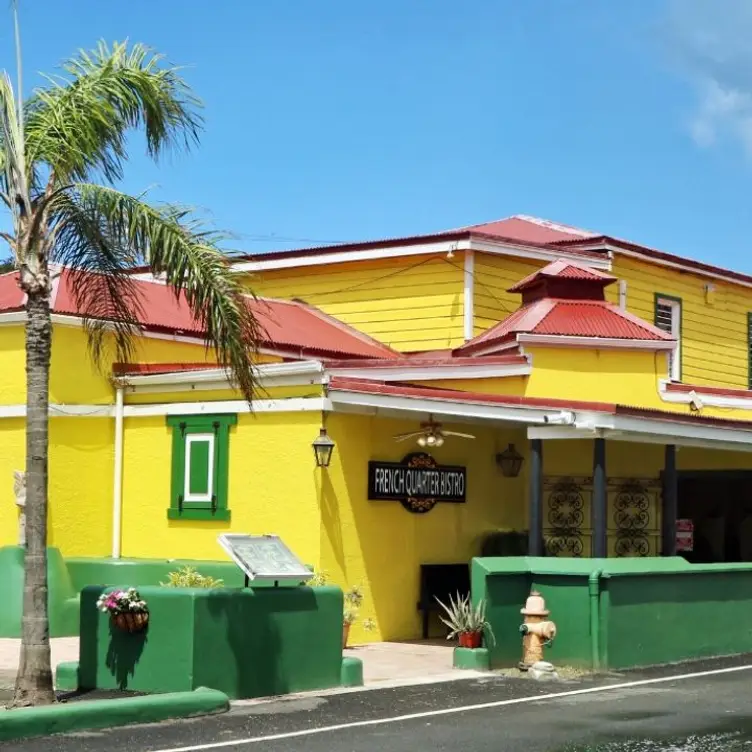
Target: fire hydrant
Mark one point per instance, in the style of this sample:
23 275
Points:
537 631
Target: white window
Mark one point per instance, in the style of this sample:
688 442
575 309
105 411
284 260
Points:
668 317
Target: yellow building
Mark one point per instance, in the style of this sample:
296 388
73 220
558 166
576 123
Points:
519 377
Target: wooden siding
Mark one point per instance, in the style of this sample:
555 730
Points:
494 275
714 335
411 303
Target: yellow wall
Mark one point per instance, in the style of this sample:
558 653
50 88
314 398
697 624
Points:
409 303
379 544
714 336
271 488
73 376
494 275
80 483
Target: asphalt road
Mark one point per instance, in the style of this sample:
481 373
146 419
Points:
647 712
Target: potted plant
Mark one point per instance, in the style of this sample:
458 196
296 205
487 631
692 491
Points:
127 609
352 604
466 622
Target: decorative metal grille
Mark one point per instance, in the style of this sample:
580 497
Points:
565 505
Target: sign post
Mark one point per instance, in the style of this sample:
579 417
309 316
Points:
263 557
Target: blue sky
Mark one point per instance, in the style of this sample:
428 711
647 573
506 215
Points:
342 121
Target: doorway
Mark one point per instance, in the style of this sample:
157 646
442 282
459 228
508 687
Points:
719 503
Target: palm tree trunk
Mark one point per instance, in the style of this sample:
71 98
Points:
34 680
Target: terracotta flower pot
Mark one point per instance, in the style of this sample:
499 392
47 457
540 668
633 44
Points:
130 622
470 639
345 635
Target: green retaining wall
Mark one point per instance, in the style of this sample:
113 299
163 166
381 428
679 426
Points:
619 613
67 577
246 643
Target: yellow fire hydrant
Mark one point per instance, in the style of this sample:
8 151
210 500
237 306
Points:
537 630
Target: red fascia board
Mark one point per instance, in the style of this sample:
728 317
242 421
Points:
716 390
686 418
133 369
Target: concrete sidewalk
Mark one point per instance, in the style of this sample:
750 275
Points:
383 662
405 662
63 649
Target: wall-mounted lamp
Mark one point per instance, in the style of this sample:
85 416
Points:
510 461
323 447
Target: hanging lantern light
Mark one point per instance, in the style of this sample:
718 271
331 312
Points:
323 447
510 461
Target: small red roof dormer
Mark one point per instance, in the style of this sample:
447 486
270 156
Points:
564 280
567 301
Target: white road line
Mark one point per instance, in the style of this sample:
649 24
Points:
452 711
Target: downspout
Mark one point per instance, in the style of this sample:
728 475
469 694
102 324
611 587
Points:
594 590
117 484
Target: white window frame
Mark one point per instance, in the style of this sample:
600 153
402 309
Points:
674 369
188 498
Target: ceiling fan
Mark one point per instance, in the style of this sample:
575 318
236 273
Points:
431 434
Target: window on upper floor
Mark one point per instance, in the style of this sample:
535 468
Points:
200 460
668 315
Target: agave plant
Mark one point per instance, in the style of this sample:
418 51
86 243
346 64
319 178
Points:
461 617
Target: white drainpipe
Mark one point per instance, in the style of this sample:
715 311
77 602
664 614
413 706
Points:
117 486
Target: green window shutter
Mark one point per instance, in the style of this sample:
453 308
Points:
200 465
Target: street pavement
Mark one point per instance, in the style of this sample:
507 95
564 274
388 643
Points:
692 708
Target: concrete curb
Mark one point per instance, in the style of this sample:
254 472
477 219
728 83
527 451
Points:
94 714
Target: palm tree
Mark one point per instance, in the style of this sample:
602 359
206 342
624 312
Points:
61 154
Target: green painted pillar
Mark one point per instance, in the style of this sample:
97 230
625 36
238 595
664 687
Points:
600 501
535 499
670 500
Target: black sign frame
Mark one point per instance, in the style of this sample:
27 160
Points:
417 482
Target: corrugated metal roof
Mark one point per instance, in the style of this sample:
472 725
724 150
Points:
567 318
286 325
563 269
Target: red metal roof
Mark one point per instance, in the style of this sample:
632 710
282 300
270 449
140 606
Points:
289 326
563 269
526 229
567 318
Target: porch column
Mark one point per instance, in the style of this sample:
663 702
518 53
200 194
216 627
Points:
600 500
535 499
670 503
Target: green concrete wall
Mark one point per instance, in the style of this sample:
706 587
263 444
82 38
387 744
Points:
62 599
67 577
665 618
648 611
245 643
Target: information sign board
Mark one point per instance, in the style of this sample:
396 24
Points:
264 557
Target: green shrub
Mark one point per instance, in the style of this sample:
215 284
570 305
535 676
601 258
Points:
188 577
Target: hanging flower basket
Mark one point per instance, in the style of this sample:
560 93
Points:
127 609
130 622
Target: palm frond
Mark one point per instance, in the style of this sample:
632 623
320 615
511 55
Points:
78 125
14 190
100 229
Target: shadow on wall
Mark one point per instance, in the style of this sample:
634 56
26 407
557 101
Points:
254 660
124 652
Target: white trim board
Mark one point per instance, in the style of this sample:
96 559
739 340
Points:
499 248
703 399
468 296
293 404
296 373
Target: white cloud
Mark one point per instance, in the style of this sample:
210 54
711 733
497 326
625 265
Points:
712 41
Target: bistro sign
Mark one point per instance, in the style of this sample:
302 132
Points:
417 482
